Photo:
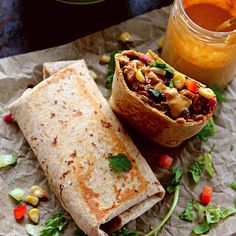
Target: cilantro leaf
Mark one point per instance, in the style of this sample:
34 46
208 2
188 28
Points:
111 70
125 232
217 89
227 212
204 162
108 82
54 225
175 180
201 229
187 214
208 130
162 65
119 162
196 171
233 185
212 213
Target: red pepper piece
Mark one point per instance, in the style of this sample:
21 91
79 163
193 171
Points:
19 212
165 161
8 118
191 85
206 195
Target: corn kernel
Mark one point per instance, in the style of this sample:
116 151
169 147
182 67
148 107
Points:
32 200
126 37
206 93
179 80
104 59
93 74
36 191
34 215
140 77
158 71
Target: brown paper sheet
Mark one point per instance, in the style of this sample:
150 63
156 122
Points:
17 72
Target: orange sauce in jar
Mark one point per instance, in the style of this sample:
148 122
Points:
192 44
209 16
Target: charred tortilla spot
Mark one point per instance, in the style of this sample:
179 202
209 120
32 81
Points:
73 154
78 112
52 115
65 174
70 162
33 138
55 102
54 143
105 124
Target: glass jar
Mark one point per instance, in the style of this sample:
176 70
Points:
204 55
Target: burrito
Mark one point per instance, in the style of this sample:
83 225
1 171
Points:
73 132
163 104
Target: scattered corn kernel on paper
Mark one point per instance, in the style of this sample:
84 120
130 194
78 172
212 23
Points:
17 72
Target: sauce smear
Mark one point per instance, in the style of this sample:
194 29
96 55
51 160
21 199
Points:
209 16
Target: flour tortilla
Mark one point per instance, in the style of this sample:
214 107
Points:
148 120
72 130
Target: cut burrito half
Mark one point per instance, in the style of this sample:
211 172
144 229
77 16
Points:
163 104
73 131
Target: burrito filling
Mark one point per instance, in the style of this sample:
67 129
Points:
165 89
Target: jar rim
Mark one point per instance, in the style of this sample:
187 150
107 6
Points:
193 25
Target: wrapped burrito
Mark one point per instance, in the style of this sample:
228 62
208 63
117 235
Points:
163 104
73 132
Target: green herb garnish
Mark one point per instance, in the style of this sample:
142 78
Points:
173 187
175 180
233 185
171 84
119 162
111 70
125 232
7 160
54 225
217 89
187 214
210 214
208 130
162 65
204 162
201 229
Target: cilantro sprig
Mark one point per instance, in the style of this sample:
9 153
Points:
173 187
208 130
207 215
119 162
187 214
54 225
204 162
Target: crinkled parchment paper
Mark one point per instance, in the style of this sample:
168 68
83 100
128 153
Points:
17 72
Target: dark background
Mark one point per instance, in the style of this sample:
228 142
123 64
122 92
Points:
28 25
